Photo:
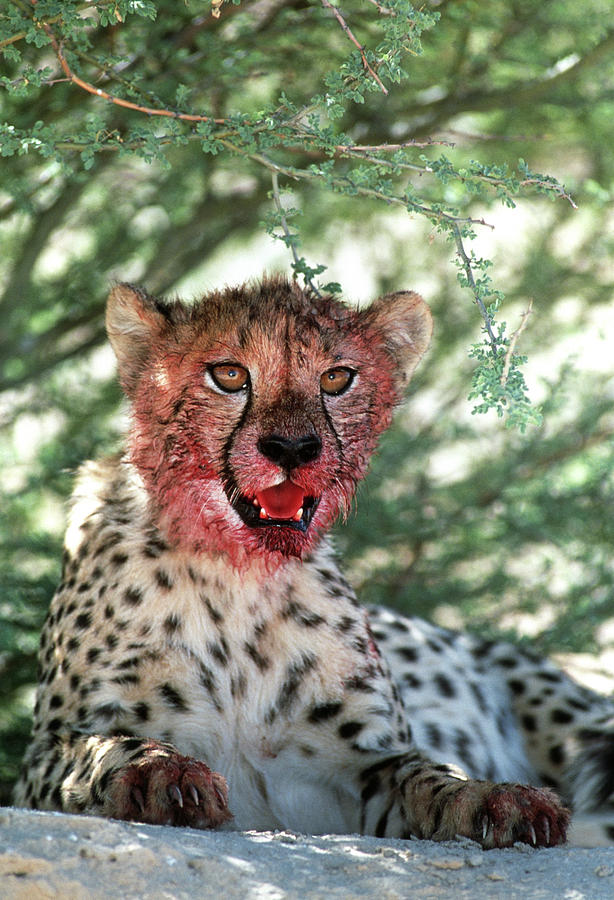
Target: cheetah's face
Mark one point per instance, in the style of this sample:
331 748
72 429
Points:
257 409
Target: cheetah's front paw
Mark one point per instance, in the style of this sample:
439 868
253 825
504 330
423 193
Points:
499 815
168 790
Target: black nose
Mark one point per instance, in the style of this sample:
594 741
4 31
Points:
290 453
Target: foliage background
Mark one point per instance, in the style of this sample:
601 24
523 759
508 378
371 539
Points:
461 519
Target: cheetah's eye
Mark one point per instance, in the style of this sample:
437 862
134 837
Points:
336 381
230 377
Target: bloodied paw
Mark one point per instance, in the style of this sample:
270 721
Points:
514 812
168 790
502 814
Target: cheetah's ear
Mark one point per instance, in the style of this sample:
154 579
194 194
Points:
405 325
134 320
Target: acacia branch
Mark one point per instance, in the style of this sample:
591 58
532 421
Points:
466 263
119 101
327 5
290 238
513 341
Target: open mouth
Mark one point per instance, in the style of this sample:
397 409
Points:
281 506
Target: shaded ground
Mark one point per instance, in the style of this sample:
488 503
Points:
51 855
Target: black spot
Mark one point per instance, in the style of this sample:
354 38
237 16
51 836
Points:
73 644
408 653
411 681
219 651
207 678
433 734
360 683
379 636
215 614
84 588
508 662
261 661
350 729
84 620
399 625
577 704
324 711
483 649
128 663
445 686
516 686
133 596
107 710
345 624
238 685
141 711
111 640
109 612
556 755
561 716
300 614
93 654
294 675
528 722
75 681
172 623
435 646
119 559
127 678
163 579
554 677
56 701
172 697
154 548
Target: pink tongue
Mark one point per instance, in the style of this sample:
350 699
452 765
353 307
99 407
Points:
282 501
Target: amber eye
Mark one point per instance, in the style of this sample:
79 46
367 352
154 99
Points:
230 377
335 381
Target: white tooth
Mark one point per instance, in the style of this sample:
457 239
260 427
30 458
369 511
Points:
263 513
298 515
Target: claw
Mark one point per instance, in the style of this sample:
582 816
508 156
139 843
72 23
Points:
175 794
533 835
137 798
221 802
547 831
485 826
194 795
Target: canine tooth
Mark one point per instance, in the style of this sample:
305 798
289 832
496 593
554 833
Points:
263 513
298 514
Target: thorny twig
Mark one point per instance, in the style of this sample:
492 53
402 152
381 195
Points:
118 101
361 49
513 341
290 238
461 252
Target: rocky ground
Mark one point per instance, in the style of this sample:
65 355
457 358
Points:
50 855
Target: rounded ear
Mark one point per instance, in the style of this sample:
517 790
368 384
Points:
405 325
134 320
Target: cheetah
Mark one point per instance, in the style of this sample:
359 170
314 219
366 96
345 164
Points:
204 662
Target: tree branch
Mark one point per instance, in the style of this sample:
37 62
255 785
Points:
361 49
119 101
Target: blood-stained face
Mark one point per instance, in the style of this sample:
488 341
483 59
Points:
256 409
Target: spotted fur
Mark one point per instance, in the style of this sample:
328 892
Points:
202 625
